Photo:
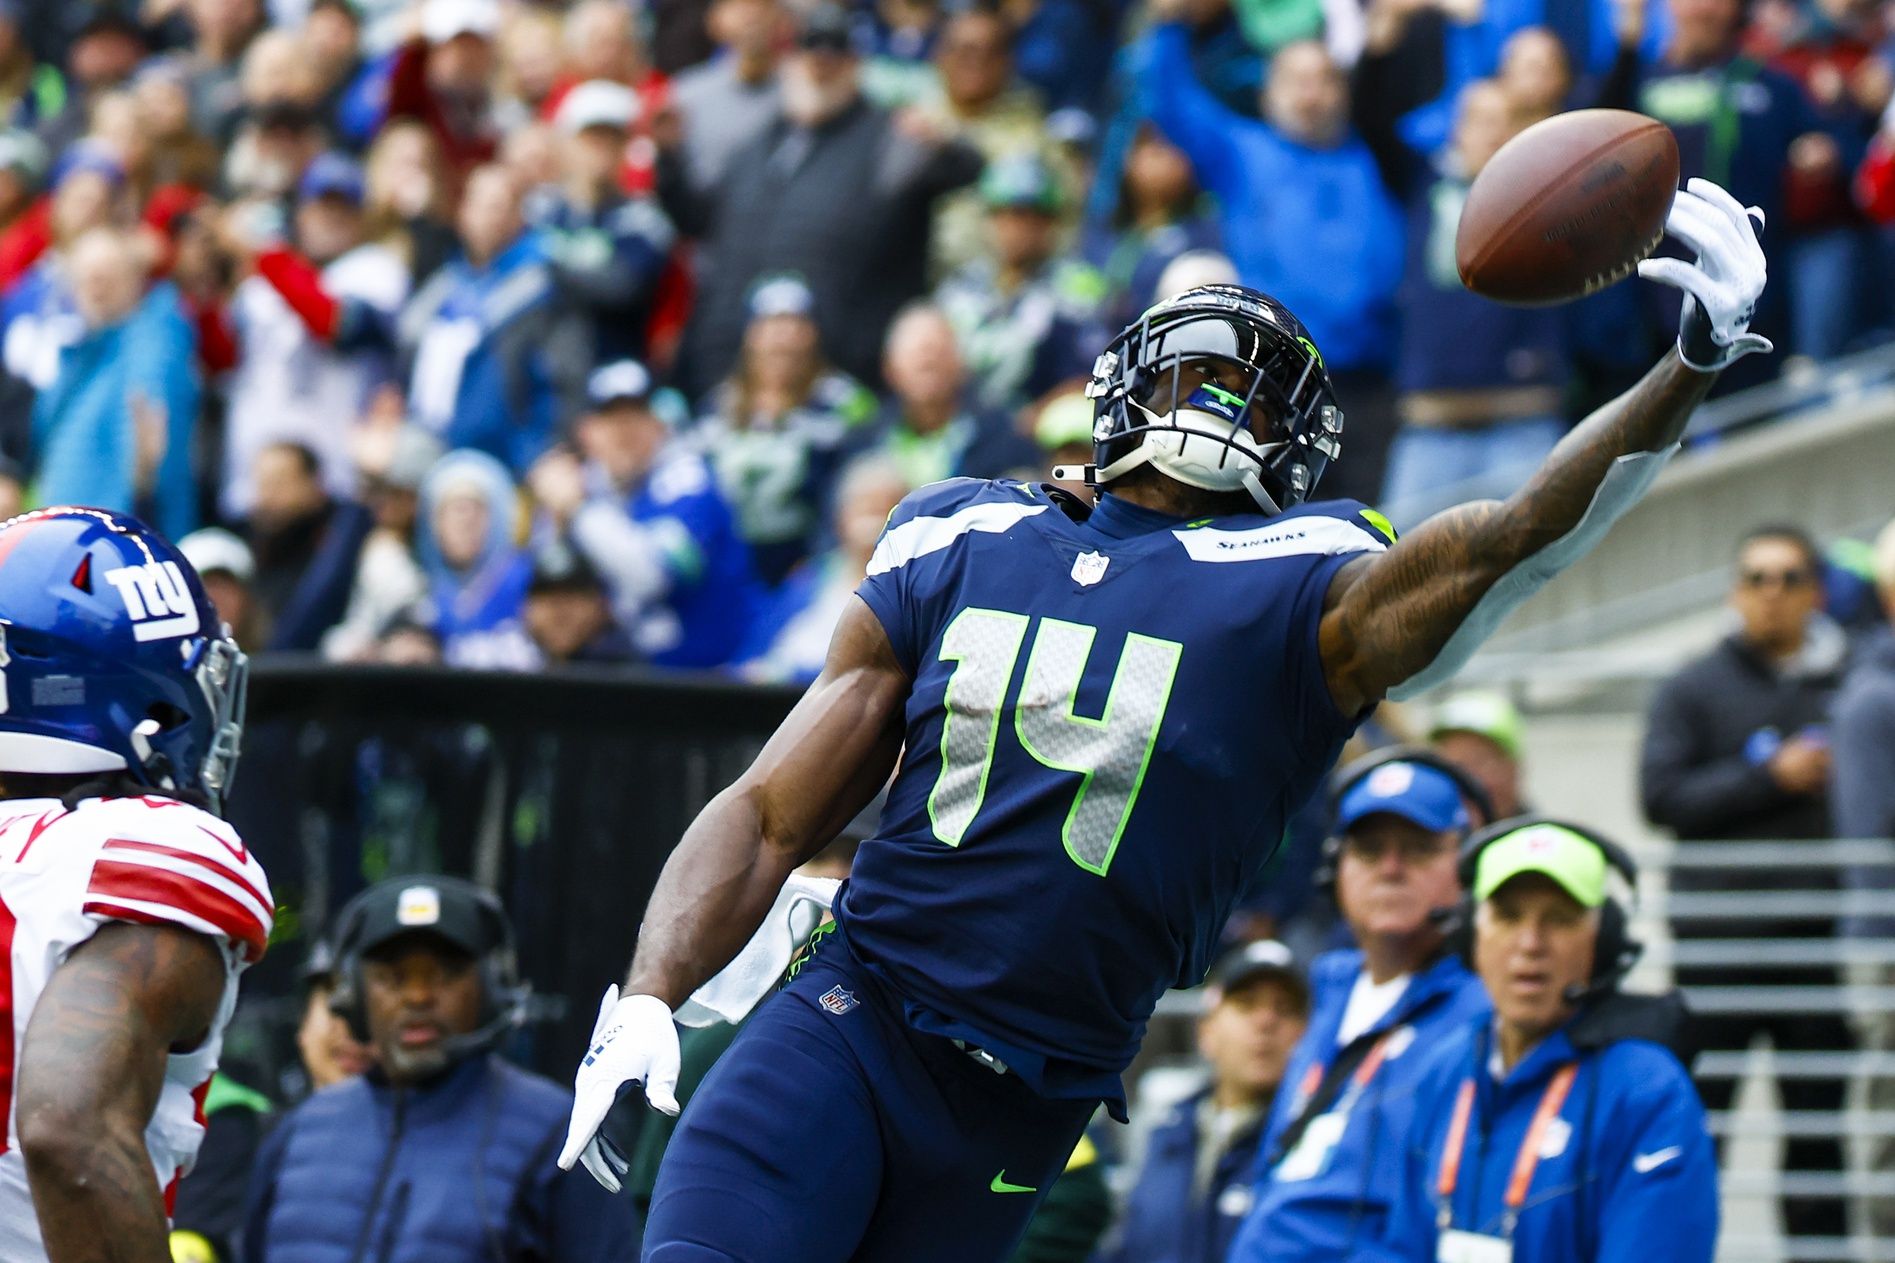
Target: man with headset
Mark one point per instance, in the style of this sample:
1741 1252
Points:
1564 1129
1331 1156
442 1150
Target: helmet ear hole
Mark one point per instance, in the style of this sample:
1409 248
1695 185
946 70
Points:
166 716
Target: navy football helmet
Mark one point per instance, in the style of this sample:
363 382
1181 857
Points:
1221 388
112 657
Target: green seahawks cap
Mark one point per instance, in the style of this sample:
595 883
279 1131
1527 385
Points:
1488 715
1020 181
1569 858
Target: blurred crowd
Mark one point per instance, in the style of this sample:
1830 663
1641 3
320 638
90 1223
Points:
513 334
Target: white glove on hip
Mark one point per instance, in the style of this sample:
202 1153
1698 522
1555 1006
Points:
633 1041
1722 287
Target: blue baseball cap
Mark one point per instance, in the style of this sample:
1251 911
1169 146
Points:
332 175
1416 792
89 155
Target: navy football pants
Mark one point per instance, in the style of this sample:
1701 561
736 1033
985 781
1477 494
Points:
826 1135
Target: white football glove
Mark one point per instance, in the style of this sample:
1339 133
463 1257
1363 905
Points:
633 1041
1721 289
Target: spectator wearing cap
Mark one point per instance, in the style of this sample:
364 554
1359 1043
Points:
307 543
391 462
467 540
1480 733
228 568
443 76
777 427
565 620
313 322
834 191
105 49
441 1149
1027 317
1194 1187
326 1048
978 100
497 358
1563 1128
114 426
928 426
647 513
1332 252
1738 745
607 251
603 42
799 619
726 103
1331 1162
275 142
33 93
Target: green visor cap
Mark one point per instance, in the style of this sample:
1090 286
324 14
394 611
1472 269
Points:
1568 858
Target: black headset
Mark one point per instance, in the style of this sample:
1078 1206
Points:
1616 951
504 997
1352 775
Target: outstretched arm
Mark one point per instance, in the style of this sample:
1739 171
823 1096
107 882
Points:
832 754
825 763
91 1069
1397 614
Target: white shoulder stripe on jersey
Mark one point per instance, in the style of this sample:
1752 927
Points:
1298 537
923 535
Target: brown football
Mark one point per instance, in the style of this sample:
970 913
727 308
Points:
1568 206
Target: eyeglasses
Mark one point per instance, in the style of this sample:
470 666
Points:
1788 580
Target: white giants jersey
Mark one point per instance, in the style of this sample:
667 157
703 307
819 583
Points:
63 874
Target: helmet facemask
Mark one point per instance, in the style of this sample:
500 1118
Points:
1219 389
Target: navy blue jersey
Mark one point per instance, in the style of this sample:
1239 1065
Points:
1111 722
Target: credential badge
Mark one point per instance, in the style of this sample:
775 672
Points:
1089 568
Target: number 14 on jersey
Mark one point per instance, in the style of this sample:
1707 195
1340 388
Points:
1108 754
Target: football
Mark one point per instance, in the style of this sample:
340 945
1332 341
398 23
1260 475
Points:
1567 207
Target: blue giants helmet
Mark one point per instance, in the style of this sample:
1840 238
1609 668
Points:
1220 388
112 656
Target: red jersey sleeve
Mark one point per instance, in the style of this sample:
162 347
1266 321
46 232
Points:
189 870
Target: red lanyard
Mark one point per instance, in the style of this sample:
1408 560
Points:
1525 1162
1313 1076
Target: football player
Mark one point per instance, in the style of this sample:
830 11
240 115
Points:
127 907
1104 716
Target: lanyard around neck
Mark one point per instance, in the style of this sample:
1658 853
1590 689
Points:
1524 1163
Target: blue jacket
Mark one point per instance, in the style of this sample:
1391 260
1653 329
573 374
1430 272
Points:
1340 1209
1626 1172
459 1170
83 436
499 359
1314 228
1163 1222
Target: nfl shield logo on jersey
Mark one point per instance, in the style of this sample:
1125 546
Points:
1089 568
837 1000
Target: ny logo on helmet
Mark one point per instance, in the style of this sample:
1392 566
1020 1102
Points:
157 598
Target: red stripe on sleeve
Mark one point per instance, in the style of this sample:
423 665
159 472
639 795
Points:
223 870
114 880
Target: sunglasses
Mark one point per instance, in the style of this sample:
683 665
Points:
1788 580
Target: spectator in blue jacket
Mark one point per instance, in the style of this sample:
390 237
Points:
1306 216
442 1150
114 426
647 513
1331 1161
608 251
1192 1192
1563 1130
497 358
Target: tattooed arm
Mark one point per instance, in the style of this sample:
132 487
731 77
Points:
91 1069
1389 614
1413 614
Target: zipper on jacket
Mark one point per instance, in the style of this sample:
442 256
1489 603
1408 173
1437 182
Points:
381 1178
